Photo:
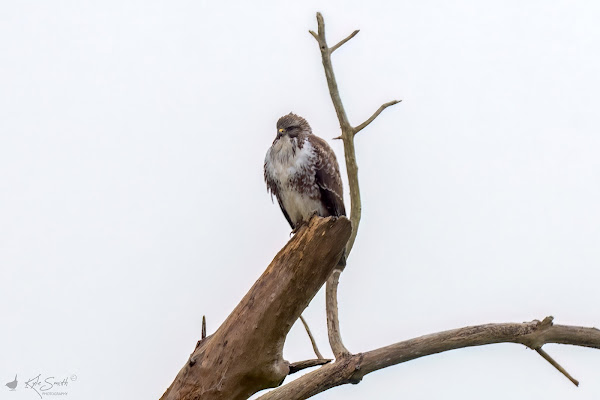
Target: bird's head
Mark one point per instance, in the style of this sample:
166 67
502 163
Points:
292 125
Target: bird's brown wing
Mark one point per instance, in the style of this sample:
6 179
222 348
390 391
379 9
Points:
285 213
327 173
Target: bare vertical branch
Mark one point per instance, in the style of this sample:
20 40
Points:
333 321
347 137
330 76
348 131
333 331
333 327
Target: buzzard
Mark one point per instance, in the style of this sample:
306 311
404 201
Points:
302 172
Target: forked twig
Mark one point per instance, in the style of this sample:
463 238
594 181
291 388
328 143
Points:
347 136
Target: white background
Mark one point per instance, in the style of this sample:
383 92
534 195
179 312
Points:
132 202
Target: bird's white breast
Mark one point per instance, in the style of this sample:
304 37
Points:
294 174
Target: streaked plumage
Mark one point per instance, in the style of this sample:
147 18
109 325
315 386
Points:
301 170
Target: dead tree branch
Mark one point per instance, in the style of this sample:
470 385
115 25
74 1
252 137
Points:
352 369
556 365
311 337
341 43
300 365
348 133
333 325
375 115
245 354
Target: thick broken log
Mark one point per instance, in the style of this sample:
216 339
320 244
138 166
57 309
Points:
245 354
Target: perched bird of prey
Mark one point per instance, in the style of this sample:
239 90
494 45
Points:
302 172
12 385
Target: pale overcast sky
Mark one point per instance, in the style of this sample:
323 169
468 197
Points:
132 201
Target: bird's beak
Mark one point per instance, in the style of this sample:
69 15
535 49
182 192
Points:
280 132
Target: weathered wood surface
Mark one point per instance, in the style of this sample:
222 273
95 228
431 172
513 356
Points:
245 354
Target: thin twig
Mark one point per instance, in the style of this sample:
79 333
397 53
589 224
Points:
557 366
375 115
300 365
537 346
342 42
202 338
312 339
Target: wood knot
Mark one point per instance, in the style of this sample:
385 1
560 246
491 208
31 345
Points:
545 323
